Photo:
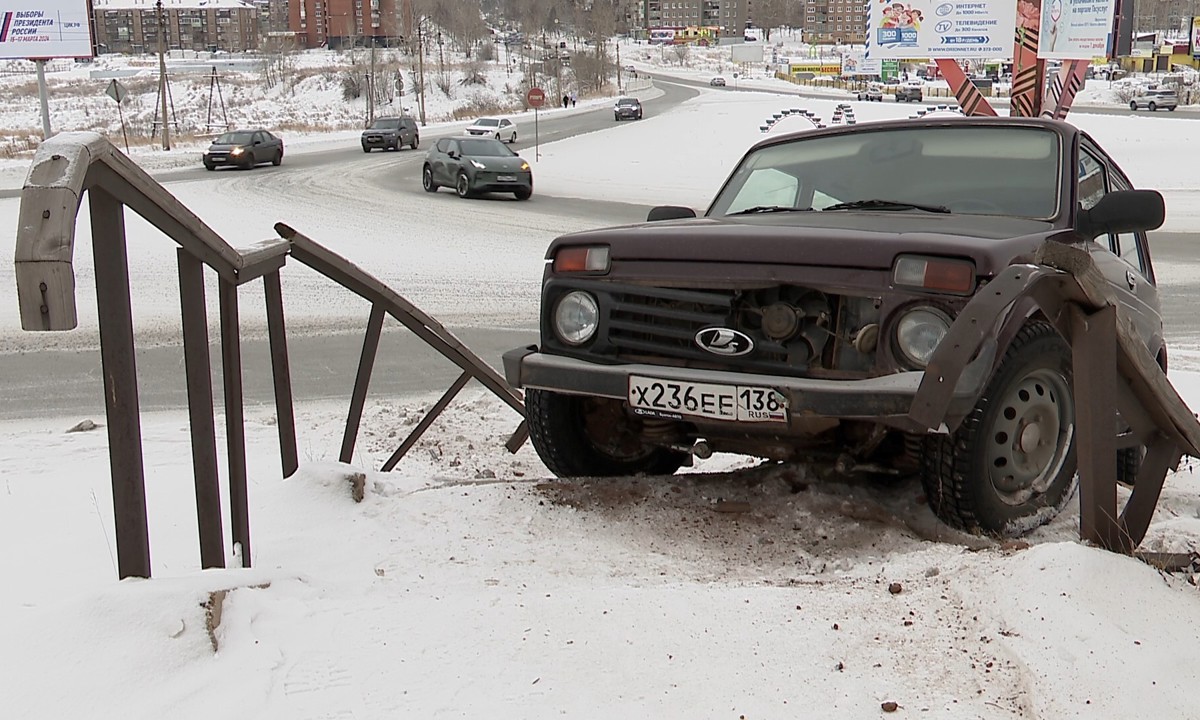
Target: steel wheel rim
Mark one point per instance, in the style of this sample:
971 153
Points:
1029 436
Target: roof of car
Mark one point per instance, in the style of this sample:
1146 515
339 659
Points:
1059 126
628 100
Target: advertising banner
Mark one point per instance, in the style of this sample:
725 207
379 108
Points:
1076 29
44 29
816 68
1195 37
856 63
940 29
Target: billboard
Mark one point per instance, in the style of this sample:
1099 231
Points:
855 63
42 29
747 53
1075 29
1195 37
940 29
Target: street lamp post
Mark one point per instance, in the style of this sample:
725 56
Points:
421 68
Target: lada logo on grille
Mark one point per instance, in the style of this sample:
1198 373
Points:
723 341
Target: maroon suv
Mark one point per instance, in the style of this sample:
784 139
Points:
794 320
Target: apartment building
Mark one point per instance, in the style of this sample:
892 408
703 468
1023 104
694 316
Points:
343 23
727 15
834 21
132 26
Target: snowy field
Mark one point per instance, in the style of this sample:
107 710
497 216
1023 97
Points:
468 583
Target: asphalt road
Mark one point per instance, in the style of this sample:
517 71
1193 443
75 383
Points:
1187 112
68 382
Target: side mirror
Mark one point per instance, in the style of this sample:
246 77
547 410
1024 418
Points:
669 212
452 154
1122 211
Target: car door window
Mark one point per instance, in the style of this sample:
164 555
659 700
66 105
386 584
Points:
443 145
1093 185
1129 246
257 139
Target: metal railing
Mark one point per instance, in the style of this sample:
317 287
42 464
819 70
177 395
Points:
69 164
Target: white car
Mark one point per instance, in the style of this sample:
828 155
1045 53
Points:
1155 98
499 128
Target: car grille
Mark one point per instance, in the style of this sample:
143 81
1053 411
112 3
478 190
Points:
659 325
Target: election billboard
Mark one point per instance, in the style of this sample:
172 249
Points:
1195 36
43 29
1075 29
940 29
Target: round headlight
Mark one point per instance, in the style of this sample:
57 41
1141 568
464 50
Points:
919 333
576 317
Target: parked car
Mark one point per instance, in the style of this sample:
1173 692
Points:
476 165
872 92
794 320
391 133
717 82
499 128
627 108
1154 99
910 92
244 149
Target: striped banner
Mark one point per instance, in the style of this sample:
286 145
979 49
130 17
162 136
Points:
1028 72
1064 87
972 102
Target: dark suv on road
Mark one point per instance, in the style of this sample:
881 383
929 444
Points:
794 320
627 109
909 92
391 133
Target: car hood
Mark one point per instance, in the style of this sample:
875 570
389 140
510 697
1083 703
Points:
380 131
866 240
224 147
500 164
486 128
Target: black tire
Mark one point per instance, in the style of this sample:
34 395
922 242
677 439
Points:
366 149
209 166
1152 106
427 180
616 118
249 162
1171 109
569 447
981 478
523 193
278 159
462 185
415 142
1133 106
1129 464
513 140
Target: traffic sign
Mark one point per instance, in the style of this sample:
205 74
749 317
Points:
116 91
536 97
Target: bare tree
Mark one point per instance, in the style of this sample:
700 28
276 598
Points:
682 53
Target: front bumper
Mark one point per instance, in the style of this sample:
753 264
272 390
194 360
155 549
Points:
225 159
887 399
491 182
380 141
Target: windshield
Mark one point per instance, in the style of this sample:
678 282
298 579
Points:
386 124
627 101
484 148
983 170
487 122
234 138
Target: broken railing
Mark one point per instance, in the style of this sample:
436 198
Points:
1113 373
69 164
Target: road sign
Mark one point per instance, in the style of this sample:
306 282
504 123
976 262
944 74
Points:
116 91
536 97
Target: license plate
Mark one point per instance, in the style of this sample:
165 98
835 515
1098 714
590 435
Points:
507 178
740 403
216 157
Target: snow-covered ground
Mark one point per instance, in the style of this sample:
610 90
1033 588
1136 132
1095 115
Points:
470 583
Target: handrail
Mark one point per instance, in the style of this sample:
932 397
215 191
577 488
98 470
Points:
63 168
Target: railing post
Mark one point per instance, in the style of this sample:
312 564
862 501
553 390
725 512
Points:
235 429
115 318
280 371
365 364
201 418
1094 362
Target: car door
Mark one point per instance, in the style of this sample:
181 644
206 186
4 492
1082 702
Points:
440 157
1135 291
257 151
506 128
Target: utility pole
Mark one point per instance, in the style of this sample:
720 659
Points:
162 76
618 43
371 86
421 66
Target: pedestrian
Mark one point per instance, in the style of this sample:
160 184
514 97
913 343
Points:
573 98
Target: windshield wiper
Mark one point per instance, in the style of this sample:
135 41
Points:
769 209
887 205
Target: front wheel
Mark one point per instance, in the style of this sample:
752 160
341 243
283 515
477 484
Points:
462 185
366 149
1152 107
278 159
1133 106
1010 466
523 193
415 141
249 162
427 180
579 436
